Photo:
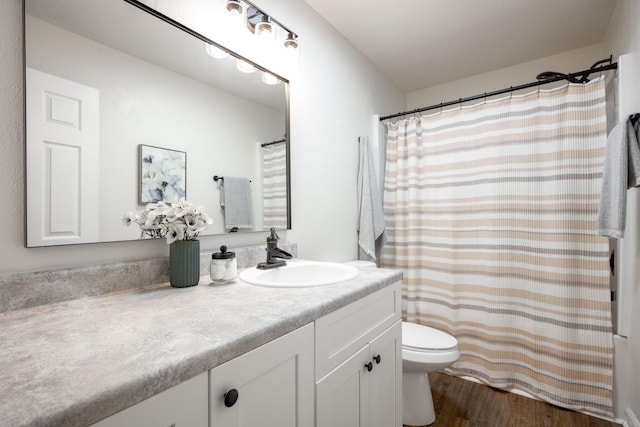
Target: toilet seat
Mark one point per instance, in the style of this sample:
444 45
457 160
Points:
426 349
419 338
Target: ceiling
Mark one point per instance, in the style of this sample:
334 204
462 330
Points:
422 43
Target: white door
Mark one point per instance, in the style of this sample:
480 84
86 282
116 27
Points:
63 157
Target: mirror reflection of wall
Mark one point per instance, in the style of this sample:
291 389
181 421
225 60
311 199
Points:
143 103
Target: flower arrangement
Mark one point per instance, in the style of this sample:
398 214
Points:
175 221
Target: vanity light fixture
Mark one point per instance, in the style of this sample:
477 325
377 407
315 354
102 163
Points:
269 79
292 41
235 7
264 26
261 23
245 67
215 51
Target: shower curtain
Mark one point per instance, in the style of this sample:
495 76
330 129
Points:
274 186
490 212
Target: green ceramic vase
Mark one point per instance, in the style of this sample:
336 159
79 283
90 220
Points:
184 263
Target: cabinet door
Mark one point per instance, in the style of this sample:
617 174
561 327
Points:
184 405
386 378
274 385
342 396
343 332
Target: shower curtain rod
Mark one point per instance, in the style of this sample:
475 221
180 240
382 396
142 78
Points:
266 144
584 73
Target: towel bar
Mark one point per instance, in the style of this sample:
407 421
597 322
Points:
217 178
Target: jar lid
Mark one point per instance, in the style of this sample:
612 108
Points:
223 254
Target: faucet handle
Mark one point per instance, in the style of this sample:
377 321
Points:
274 235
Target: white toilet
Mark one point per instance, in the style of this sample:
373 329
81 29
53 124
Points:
424 350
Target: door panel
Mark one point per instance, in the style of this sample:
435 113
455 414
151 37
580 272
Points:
63 160
342 395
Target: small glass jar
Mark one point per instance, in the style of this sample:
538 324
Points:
224 267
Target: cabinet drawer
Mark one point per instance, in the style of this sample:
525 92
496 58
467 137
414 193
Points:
343 332
184 405
272 385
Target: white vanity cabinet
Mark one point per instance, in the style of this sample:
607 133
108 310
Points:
343 370
359 363
269 386
184 405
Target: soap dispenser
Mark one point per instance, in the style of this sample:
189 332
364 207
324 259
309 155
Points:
224 267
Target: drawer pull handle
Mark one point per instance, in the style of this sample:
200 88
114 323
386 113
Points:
369 366
378 359
230 398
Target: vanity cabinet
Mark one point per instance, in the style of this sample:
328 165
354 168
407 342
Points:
184 405
343 370
359 363
269 386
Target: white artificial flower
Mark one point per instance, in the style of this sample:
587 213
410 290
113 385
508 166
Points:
150 219
177 221
174 232
128 218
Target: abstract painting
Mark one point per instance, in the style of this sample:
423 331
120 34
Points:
163 175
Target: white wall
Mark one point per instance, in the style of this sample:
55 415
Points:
567 62
334 93
623 36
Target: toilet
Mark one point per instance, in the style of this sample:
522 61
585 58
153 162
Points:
424 349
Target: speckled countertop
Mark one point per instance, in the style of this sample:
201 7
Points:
76 362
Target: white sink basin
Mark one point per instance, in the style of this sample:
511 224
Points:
300 274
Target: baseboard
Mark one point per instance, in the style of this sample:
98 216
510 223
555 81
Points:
633 420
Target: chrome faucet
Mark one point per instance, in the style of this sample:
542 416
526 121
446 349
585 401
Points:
274 252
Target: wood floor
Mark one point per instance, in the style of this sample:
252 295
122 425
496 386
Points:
461 403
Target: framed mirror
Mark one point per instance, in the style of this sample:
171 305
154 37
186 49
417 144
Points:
126 106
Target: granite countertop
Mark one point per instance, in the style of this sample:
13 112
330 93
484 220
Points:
76 362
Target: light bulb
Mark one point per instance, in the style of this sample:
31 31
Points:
244 66
270 79
291 42
215 51
234 7
264 27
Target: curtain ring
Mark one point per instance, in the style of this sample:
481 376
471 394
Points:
485 98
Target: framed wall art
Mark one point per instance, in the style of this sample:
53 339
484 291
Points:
163 174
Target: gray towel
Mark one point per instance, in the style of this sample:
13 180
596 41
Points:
621 171
235 198
371 234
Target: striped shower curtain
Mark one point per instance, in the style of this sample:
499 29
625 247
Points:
274 186
490 212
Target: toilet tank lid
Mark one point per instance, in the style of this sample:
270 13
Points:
415 336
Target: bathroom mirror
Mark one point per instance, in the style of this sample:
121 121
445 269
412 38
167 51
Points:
107 83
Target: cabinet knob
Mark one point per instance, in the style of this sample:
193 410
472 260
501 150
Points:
369 366
230 398
377 359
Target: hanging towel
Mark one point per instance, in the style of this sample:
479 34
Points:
371 235
235 198
621 171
